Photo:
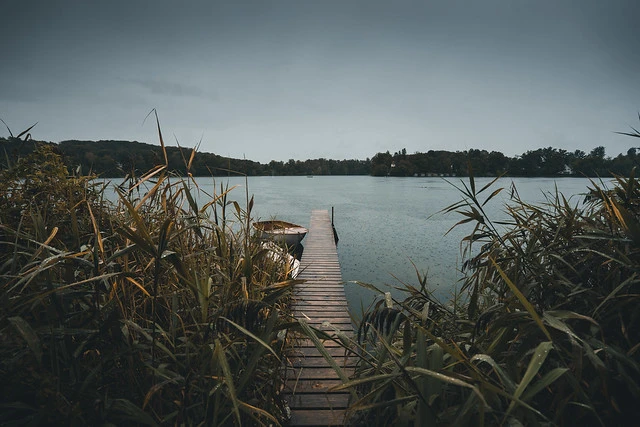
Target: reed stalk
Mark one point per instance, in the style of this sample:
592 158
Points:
149 310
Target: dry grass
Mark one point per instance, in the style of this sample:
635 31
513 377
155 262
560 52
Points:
153 310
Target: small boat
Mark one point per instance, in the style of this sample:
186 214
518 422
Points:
280 254
281 231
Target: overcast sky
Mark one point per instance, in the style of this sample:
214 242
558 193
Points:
335 79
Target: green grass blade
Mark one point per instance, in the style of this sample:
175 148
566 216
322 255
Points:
537 360
228 376
253 336
548 379
523 300
447 379
510 386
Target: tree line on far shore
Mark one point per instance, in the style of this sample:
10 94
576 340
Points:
543 162
119 158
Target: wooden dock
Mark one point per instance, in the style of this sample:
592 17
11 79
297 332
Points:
320 299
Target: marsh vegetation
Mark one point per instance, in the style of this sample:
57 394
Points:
544 330
151 310
161 309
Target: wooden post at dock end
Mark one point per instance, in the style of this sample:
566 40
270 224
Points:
322 303
333 226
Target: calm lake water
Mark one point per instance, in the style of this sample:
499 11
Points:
386 225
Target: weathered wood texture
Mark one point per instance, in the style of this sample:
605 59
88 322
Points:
321 301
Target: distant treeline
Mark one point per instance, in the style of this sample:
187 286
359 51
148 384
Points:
119 158
541 162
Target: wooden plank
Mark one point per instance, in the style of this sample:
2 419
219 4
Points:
324 290
312 310
316 311
323 298
325 343
319 401
317 417
297 386
312 351
328 326
302 304
319 361
340 296
329 293
310 304
315 318
342 324
315 373
330 320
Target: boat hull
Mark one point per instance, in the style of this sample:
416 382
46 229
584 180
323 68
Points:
281 232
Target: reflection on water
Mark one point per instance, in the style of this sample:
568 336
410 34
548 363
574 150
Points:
386 225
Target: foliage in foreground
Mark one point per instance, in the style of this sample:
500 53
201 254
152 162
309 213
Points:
547 332
152 311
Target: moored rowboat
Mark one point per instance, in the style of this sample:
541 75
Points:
281 231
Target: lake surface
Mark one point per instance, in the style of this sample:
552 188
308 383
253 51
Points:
386 225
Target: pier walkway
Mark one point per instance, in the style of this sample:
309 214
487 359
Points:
320 299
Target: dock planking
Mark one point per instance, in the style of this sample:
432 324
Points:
321 301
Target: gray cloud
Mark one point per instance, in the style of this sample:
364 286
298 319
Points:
163 87
339 79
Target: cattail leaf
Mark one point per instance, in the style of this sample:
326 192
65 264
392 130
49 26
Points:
164 150
24 131
9 130
251 335
140 225
523 300
96 229
544 382
192 156
447 379
492 195
472 181
436 362
510 386
139 239
152 192
187 192
252 410
489 184
163 238
138 285
536 362
45 244
219 354
365 380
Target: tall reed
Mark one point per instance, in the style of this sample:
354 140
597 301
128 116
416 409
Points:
544 330
152 310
